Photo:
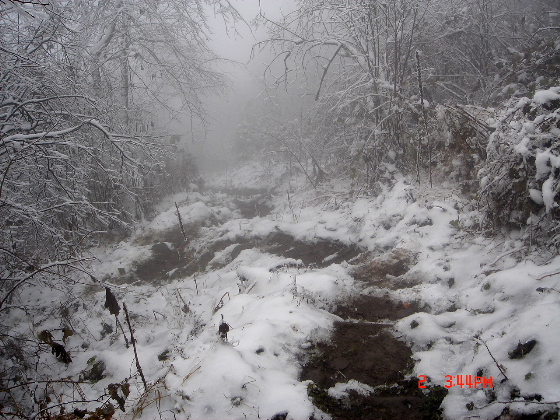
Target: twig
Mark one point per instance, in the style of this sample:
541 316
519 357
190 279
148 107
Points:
43 268
181 222
505 254
63 404
158 313
548 275
425 118
492 356
133 341
181 297
122 329
222 298
325 70
49 381
221 302
192 372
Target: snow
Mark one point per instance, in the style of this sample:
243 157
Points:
536 196
475 291
124 255
340 390
545 161
190 214
548 194
545 96
521 147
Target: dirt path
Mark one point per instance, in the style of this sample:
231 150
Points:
366 351
362 347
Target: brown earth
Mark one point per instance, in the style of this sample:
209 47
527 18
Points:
251 202
388 270
375 309
253 207
363 351
163 260
178 257
318 254
363 348
368 352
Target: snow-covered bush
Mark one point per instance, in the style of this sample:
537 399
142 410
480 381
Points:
520 180
525 72
461 137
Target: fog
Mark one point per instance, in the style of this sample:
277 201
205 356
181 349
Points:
212 141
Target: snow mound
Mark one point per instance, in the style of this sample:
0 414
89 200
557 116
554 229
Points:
545 96
194 213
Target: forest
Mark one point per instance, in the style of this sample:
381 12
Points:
399 170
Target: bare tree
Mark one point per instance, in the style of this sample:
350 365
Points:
78 136
361 55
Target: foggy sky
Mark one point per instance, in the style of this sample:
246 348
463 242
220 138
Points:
235 44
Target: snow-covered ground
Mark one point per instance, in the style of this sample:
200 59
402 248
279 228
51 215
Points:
482 297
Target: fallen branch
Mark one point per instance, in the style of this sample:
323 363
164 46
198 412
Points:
122 329
49 381
548 275
505 254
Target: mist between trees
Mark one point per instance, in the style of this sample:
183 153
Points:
374 88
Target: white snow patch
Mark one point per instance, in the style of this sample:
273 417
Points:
545 96
536 196
341 389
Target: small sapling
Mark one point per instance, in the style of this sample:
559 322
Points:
223 329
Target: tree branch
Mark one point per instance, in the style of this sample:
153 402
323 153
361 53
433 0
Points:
39 270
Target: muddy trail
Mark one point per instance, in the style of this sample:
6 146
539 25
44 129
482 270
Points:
362 347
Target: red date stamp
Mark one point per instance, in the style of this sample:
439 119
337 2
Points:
463 381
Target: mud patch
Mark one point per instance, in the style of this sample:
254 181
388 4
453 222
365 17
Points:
400 401
254 206
368 353
173 235
251 202
365 352
203 260
387 270
177 260
243 192
363 349
317 254
375 309
164 259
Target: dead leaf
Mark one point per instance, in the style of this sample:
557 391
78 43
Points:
111 302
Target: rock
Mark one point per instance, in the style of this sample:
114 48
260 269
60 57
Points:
522 350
